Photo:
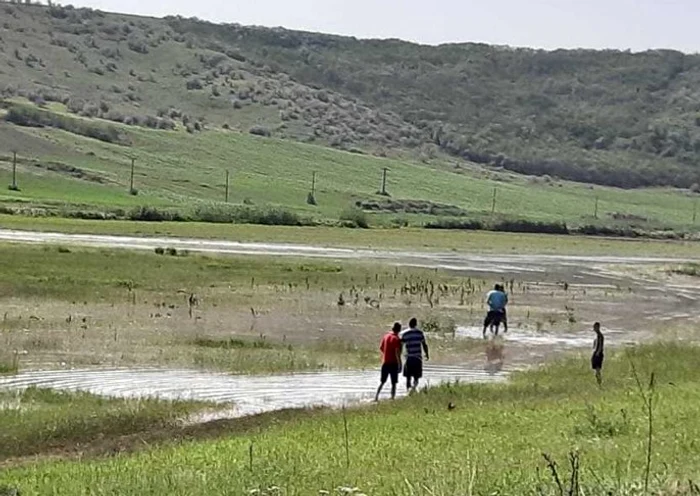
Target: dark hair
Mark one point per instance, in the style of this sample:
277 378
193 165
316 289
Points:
597 324
412 323
497 287
397 327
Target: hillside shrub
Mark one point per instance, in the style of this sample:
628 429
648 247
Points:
260 131
194 84
232 214
147 213
23 115
354 217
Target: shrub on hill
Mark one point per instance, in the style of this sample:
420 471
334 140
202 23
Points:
23 115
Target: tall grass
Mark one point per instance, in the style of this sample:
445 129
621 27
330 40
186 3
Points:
455 439
37 420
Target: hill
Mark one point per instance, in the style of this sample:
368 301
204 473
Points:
614 118
77 166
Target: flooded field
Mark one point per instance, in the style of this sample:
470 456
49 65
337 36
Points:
555 300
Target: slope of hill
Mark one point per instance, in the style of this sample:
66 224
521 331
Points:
67 171
609 117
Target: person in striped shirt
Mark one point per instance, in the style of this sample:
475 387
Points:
413 342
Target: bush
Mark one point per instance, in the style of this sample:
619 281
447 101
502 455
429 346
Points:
354 217
194 84
695 188
138 45
23 115
259 131
226 214
528 226
447 223
153 214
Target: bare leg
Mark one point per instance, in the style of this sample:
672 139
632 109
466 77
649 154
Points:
408 384
379 390
599 377
415 386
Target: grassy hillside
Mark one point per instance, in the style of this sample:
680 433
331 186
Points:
609 117
67 169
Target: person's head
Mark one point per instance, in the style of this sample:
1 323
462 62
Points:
397 328
413 323
497 287
596 327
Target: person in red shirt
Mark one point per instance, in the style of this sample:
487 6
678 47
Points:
391 359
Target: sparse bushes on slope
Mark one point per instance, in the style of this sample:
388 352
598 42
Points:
23 115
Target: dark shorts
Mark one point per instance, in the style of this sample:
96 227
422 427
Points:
597 362
494 318
413 368
390 370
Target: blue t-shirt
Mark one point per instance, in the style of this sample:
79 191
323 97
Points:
497 300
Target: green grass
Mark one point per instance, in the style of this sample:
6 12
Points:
177 169
36 421
593 116
690 269
103 274
397 239
491 442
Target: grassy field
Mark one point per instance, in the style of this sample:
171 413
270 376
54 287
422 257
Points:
490 440
396 239
182 170
36 421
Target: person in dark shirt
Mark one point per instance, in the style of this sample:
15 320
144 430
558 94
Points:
413 341
598 353
390 347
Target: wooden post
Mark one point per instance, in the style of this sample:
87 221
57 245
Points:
595 212
313 183
14 170
384 171
226 185
131 180
695 210
493 202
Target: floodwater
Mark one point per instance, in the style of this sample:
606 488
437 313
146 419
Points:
245 395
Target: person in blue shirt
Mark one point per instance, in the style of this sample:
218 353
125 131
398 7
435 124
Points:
496 299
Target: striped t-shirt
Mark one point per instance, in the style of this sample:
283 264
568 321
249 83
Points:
413 340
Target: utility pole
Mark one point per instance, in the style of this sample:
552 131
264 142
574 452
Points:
595 212
383 190
131 180
493 202
226 185
311 197
14 172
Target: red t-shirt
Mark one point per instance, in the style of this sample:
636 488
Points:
390 348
